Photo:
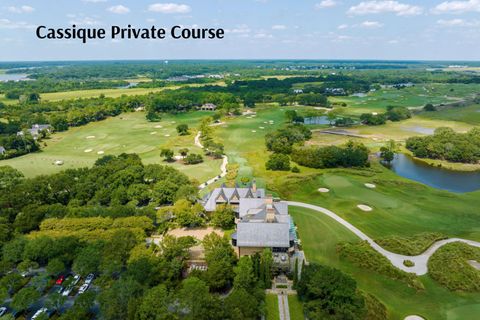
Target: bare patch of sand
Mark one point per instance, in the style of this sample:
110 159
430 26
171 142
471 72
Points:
167 135
323 190
364 207
254 131
88 150
100 152
153 132
198 233
158 126
370 185
91 137
261 128
414 317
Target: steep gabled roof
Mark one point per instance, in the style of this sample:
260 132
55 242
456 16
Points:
268 235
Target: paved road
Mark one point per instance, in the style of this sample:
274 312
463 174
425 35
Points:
420 261
283 308
223 167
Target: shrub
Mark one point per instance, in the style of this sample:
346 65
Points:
295 170
449 266
193 158
278 162
410 246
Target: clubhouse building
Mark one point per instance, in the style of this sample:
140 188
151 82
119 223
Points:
262 222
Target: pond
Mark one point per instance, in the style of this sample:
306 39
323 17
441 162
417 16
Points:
450 180
316 120
13 77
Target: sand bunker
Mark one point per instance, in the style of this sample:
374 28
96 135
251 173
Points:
261 128
100 152
91 137
370 185
158 126
364 207
58 163
323 190
254 131
167 135
88 150
153 132
414 318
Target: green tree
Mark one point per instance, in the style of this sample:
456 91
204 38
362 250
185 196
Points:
242 305
223 217
387 152
55 267
155 305
429 107
278 162
119 301
183 152
56 301
266 262
244 274
196 301
25 298
182 129
167 154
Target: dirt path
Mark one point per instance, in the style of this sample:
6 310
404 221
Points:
420 261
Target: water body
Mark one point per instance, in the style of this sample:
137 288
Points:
129 85
316 120
450 180
13 77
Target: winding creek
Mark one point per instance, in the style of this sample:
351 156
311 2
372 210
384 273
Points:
440 178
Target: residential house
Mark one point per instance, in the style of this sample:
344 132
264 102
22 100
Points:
2 150
36 129
208 107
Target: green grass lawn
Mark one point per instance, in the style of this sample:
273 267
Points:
126 133
320 235
271 307
416 96
296 308
469 114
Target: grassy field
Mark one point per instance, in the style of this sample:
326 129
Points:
296 308
271 307
320 235
127 133
416 96
469 114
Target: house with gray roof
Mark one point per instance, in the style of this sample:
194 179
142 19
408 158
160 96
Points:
231 196
263 223
36 129
2 150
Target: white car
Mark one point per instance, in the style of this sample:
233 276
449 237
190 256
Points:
39 312
3 310
67 291
75 280
83 288
89 278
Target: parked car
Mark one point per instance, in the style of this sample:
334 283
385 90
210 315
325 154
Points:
59 289
67 291
89 278
83 288
60 280
39 312
76 278
3 310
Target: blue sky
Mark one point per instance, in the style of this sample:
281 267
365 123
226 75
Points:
283 29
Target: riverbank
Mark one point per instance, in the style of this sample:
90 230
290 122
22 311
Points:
454 166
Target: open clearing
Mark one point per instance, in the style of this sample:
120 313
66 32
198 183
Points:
126 133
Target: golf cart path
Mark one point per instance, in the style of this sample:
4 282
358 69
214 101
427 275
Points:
420 261
223 166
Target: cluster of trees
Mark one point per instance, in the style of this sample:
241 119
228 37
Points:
351 154
328 293
114 187
446 144
281 142
393 114
211 147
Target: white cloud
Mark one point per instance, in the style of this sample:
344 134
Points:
8 24
151 20
374 7
342 26
241 29
169 8
279 27
371 24
21 9
458 23
458 6
119 9
95 1
84 21
262 35
326 4
393 41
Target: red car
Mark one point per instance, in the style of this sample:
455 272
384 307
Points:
60 280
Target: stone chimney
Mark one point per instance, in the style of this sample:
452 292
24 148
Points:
270 217
254 186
